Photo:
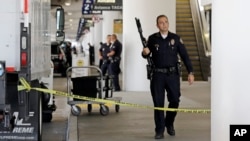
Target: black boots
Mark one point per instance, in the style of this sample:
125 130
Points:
159 136
170 130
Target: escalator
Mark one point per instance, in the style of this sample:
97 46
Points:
188 27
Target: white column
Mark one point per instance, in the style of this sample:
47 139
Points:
108 22
230 66
97 38
134 69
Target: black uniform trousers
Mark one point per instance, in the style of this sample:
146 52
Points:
100 63
104 66
160 83
114 70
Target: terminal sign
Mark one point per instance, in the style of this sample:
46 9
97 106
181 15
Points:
105 1
108 5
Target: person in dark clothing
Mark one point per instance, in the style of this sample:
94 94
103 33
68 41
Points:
91 54
103 51
163 47
115 57
100 55
68 54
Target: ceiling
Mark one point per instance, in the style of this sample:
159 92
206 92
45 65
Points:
72 15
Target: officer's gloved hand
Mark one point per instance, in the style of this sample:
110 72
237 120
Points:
145 51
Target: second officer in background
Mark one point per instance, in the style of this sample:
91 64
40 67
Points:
103 52
115 57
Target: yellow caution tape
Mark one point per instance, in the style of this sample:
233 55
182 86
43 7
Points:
25 84
27 87
21 88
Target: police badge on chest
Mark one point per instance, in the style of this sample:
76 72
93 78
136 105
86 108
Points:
157 46
171 43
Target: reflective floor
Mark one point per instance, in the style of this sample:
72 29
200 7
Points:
56 129
130 123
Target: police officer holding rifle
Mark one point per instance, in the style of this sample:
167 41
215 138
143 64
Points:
163 48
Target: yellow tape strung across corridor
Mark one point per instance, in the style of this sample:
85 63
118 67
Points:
26 86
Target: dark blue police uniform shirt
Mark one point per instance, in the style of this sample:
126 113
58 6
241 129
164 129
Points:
165 51
117 48
105 49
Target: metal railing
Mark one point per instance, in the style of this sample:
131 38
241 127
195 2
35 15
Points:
201 27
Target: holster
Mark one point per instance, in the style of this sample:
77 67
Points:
106 61
179 68
149 71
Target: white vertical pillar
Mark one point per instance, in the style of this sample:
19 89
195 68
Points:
135 78
230 66
108 22
97 38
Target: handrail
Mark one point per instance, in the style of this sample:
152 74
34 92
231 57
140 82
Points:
201 26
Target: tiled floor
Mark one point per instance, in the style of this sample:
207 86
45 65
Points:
135 124
56 129
129 124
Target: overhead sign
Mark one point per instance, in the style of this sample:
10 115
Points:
108 5
81 25
87 8
105 1
109 2
97 6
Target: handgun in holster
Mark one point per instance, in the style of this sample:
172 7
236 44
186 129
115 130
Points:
179 67
149 71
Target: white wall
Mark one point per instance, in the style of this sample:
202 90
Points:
135 78
230 66
10 31
108 22
97 38
205 2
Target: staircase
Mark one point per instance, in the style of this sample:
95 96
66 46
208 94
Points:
185 29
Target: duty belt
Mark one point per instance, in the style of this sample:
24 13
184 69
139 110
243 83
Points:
115 59
167 70
106 61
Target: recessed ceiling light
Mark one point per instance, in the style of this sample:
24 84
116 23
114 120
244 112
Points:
67 3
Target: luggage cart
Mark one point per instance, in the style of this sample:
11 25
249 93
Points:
90 86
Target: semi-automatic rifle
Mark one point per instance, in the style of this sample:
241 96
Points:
144 44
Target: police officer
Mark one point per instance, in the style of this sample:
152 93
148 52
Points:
164 47
115 57
103 51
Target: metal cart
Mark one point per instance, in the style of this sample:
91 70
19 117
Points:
90 86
